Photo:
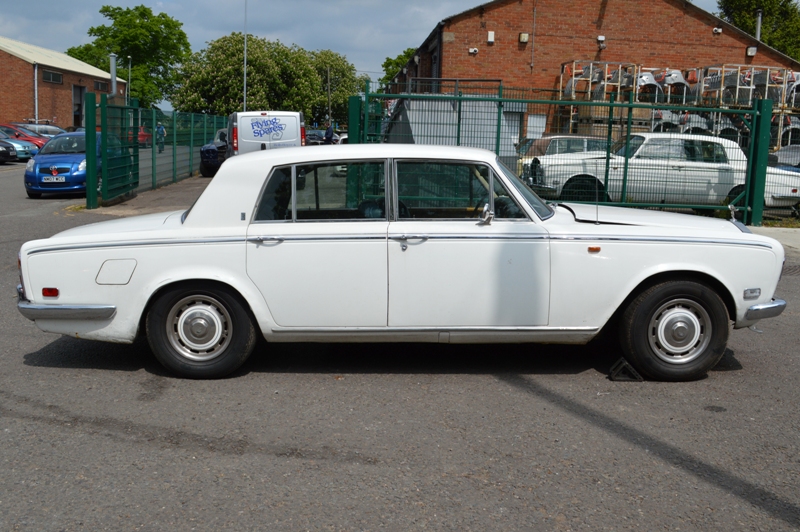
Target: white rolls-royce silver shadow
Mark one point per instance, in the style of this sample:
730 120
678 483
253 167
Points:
387 243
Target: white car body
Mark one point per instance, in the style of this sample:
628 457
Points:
546 276
665 175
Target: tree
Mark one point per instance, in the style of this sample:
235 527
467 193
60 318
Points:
343 81
780 21
278 77
156 44
392 66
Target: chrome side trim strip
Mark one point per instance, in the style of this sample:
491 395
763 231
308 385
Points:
283 238
667 240
140 243
295 330
766 310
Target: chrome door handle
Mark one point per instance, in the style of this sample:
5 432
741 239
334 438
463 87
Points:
405 238
261 239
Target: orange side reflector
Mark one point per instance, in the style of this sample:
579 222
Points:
50 292
594 249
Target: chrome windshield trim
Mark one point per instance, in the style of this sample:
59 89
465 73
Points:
766 310
432 329
65 312
140 243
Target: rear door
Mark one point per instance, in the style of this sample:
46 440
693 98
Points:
268 130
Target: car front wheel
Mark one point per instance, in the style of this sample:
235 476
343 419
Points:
200 332
675 331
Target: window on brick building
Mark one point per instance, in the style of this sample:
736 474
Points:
52 77
101 86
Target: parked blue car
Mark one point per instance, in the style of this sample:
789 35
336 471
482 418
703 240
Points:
60 166
25 150
212 155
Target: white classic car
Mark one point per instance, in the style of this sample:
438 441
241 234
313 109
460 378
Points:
412 243
662 168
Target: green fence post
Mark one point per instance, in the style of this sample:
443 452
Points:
191 144
758 178
154 177
609 138
205 127
366 113
624 197
499 119
105 171
90 114
458 121
354 119
174 147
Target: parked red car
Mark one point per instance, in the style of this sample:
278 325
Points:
145 137
20 133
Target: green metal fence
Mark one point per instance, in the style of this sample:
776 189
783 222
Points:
657 156
133 156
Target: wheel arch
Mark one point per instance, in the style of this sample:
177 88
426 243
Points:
211 283
679 275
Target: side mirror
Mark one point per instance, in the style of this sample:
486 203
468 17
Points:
487 215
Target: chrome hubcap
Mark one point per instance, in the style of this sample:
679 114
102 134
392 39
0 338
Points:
199 327
680 331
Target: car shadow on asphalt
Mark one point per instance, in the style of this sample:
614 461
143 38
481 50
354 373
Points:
360 358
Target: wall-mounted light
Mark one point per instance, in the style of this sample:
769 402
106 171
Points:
601 42
416 59
751 51
523 37
405 70
490 37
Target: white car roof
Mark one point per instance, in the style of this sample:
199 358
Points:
687 136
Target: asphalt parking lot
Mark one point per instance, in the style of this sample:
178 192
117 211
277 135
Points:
384 436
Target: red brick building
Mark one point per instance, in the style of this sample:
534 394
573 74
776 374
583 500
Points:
45 85
525 42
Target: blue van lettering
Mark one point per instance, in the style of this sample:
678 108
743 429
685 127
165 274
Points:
267 126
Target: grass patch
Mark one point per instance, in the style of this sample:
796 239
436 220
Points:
791 223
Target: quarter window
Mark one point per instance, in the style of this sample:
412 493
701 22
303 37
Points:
276 200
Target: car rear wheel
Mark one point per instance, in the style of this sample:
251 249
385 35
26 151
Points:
675 331
206 171
199 332
583 188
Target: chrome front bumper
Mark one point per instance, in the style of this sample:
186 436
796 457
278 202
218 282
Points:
62 312
765 310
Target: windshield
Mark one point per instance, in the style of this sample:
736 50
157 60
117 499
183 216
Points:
537 204
618 148
65 144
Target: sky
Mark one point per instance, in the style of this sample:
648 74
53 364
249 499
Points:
364 31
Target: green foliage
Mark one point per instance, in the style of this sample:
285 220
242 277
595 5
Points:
343 83
156 44
392 66
780 22
278 77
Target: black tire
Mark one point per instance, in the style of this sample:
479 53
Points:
217 340
697 322
206 171
583 188
34 195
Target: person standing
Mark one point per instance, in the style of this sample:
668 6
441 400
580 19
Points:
328 134
161 135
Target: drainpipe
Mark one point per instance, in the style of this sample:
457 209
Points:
113 60
759 13
36 92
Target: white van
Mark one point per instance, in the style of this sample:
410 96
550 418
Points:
264 130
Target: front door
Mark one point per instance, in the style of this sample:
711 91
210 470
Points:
447 268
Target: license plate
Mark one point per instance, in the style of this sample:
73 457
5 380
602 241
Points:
53 179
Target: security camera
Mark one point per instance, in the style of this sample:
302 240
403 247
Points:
717 31
473 50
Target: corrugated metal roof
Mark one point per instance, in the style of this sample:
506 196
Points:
37 55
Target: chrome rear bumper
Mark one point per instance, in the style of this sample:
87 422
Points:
62 312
